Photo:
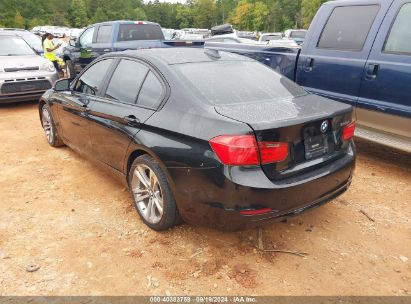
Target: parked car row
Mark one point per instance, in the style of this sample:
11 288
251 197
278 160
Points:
289 37
57 31
113 36
24 74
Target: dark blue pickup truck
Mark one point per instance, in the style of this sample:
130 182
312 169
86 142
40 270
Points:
101 38
357 52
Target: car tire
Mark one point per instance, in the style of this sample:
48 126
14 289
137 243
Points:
70 73
152 195
49 127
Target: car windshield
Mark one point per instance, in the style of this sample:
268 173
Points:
298 34
234 82
33 41
14 46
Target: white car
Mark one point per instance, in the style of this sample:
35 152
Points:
230 38
75 32
270 36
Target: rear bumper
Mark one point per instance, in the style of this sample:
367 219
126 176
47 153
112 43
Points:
208 197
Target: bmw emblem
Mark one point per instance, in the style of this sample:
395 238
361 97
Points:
324 126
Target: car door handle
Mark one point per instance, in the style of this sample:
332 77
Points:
84 103
132 121
308 65
372 71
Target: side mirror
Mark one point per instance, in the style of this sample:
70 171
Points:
73 42
62 85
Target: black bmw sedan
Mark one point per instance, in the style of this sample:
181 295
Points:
204 136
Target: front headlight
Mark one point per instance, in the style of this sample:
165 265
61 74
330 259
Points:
48 66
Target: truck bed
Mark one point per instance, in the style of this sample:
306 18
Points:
281 59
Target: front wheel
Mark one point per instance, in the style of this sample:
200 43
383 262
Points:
49 127
152 195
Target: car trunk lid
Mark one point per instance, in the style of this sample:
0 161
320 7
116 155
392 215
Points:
311 125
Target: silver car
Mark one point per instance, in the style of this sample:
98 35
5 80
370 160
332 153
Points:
24 75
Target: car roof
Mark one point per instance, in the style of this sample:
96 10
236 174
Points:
124 22
15 33
8 33
179 55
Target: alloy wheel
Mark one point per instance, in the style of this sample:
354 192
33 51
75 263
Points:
147 193
47 126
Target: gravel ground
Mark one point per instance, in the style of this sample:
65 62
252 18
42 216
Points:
68 228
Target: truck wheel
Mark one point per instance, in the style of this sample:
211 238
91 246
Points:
152 195
70 73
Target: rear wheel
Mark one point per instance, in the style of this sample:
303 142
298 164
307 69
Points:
49 127
152 195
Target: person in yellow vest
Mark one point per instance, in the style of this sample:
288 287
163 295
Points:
50 49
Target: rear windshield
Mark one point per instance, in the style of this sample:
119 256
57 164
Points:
271 37
298 34
130 32
14 46
234 82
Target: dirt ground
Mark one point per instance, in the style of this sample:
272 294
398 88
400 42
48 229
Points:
74 226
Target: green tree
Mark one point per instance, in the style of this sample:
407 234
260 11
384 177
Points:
100 15
260 16
78 11
19 20
184 16
308 10
204 13
139 14
35 22
242 16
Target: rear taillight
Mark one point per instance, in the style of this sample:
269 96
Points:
348 131
273 152
243 150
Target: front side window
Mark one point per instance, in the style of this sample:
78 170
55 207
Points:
348 27
126 81
86 38
399 38
91 81
104 34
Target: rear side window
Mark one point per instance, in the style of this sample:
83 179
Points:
92 80
399 39
130 32
126 81
151 92
104 34
348 27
